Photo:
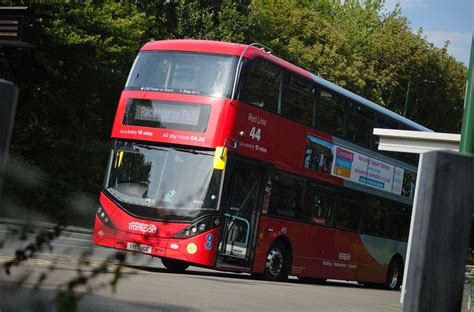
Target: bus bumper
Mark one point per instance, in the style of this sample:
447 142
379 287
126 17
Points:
200 249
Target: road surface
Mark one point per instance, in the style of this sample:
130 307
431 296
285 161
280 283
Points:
146 286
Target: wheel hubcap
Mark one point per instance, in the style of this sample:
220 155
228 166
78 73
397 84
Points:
394 276
274 262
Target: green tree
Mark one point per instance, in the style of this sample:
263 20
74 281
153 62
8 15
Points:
360 46
70 83
304 37
225 20
69 87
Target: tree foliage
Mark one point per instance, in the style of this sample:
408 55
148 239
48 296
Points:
69 86
362 47
71 81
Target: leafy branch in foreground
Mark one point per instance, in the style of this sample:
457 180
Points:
42 239
68 294
27 285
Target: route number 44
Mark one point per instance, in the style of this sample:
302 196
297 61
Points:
255 133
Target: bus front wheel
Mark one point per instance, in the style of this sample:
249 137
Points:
174 265
394 274
277 263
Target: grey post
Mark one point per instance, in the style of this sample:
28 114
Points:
8 98
441 233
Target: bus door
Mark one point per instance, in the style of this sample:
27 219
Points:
240 212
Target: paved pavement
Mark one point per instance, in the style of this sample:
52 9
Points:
146 286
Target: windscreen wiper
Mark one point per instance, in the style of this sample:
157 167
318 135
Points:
150 147
192 151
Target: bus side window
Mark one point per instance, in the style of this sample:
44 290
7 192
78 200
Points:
286 197
244 191
374 218
300 97
361 124
347 215
318 207
330 114
262 85
399 222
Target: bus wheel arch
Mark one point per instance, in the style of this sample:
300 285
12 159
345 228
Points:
175 266
394 273
278 260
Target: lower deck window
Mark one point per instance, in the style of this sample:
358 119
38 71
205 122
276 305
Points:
347 216
319 203
287 194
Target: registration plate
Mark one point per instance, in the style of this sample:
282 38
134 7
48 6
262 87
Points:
139 247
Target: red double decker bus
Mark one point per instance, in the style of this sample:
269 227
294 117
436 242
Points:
228 157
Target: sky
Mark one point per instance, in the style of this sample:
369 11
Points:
441 20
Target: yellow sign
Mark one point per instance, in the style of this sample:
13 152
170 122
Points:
192 248
220 158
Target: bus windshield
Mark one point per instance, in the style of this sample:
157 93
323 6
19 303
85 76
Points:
183 72
163 183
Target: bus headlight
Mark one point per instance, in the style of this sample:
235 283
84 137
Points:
104 218
198 227
202 227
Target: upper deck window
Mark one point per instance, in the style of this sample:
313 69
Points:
361 124
183 72
262 85
330 113
299 101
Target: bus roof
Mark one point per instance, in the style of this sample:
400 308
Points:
220 47
192 45
376 107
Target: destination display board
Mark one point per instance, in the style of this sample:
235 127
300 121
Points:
167 115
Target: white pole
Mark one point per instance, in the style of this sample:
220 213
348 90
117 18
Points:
410 235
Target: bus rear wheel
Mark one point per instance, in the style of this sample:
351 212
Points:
394 274
277 263
174 265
